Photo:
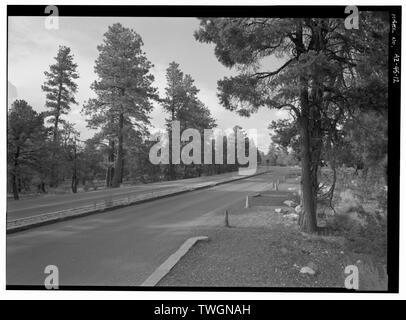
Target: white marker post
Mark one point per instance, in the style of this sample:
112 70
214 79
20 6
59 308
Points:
226 223
247 202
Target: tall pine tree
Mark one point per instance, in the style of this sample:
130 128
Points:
60 89
183 105
26 135
316 77
124 90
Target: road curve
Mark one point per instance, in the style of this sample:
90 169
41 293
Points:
121 247
51 203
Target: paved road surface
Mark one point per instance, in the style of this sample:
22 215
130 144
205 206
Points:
51 203
120 247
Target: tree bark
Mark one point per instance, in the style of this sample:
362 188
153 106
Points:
119 161
14 175
171 171
311 151
308 220
75 181
74 184
55 133
54 169
54 166
311 135
15 187
110 168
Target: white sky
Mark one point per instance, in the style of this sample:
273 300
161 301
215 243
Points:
31 48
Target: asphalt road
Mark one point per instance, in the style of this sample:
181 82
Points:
121 247
51 203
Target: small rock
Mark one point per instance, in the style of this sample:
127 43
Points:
325 189
298 209
292 216
289 203
308 271
278 210
312 266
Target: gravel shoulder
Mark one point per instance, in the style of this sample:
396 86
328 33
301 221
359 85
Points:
264 248
258 257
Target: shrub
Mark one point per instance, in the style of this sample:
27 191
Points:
360 205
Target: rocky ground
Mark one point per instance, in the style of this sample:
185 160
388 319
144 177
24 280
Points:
263 247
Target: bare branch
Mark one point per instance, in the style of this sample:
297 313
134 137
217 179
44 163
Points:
263 75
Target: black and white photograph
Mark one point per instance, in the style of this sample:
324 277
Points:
203 148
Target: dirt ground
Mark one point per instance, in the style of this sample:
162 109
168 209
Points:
263 247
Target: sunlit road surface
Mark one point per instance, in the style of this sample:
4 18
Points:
121 247
51 203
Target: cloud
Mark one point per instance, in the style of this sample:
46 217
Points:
31 49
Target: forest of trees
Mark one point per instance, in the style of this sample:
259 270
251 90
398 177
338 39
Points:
45 150
332 80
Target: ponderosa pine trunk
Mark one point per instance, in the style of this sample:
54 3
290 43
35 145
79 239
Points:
15 187
119 160
110 168
308 220
310 151
14 175
54 166
75 181
171 171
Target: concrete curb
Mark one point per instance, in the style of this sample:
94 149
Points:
107 205
169 263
